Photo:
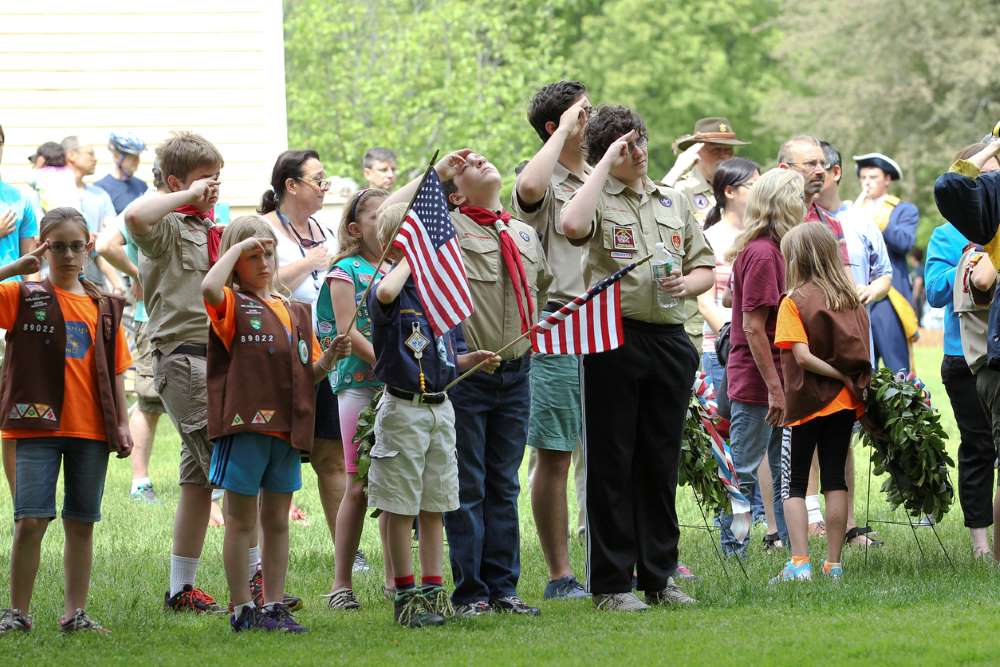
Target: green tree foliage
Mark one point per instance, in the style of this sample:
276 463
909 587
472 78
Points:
915 80
679 61
418 75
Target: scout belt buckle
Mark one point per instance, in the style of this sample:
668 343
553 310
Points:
433 398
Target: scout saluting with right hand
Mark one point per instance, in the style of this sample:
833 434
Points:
635 397
263 363
62 401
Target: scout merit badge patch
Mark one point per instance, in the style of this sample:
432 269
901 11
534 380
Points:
263 417
624 238
237 420
32 411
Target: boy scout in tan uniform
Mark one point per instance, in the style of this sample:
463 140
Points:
637 394
558 113
692 177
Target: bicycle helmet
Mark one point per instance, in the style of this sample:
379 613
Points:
126 143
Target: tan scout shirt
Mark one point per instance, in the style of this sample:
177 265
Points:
563 257
627 227
701 199
699 194
496 320
172 264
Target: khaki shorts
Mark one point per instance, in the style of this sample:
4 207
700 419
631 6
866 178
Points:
142 354
413 467
180 381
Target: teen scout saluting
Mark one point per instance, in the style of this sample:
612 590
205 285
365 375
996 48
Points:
259 427
62 402
633 449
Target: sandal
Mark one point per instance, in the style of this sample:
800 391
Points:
772 542
859 533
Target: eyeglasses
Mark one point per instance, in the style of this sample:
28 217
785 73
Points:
321 183
59 248
811 165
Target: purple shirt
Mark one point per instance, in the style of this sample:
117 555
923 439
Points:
758 281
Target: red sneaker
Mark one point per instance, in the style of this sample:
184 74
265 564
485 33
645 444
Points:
192 599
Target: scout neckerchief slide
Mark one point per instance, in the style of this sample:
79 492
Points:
417 342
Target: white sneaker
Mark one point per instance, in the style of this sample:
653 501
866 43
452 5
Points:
619 602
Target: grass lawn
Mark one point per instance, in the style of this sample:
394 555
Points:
898 609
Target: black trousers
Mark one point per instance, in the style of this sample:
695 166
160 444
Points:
635 399
831 436
973 398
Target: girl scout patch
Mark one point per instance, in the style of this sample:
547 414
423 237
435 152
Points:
624 238
303 352
324 328
255 323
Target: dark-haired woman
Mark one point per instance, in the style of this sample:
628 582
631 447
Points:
305 247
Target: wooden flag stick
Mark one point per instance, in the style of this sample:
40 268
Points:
516 340
388 246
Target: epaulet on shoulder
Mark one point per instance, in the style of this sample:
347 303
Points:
892 200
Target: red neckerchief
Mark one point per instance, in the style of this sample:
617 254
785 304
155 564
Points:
188 209
511 257
214 232
816 214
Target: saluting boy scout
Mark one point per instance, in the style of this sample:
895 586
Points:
508 279
635 397
558 113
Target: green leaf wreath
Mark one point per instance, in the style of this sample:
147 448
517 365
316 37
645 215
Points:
698 468
364 437
908 442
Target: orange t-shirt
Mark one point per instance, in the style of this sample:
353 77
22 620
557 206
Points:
790 330
81 415
223 320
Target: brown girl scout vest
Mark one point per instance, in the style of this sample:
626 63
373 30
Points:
34 367
838 338
264 383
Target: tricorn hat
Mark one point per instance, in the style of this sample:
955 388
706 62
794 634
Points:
883 162
715 130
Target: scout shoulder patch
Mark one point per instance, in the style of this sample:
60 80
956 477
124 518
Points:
525 235
701 201
666 201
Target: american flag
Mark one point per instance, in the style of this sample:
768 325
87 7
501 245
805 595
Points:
590 323
428 240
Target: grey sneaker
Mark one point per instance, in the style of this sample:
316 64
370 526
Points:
145 494
670 595
80 622
618 602
360 563
14 619
342 598
480 608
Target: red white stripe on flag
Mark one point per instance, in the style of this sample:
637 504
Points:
588 327
440 277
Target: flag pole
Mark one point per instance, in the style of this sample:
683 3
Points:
388 246
516 340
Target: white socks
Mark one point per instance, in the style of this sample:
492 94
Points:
253 561
812 506
140 482
182 573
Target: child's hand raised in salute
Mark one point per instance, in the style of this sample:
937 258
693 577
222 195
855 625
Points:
26 264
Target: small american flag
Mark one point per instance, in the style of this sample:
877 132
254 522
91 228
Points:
428 240
590 323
